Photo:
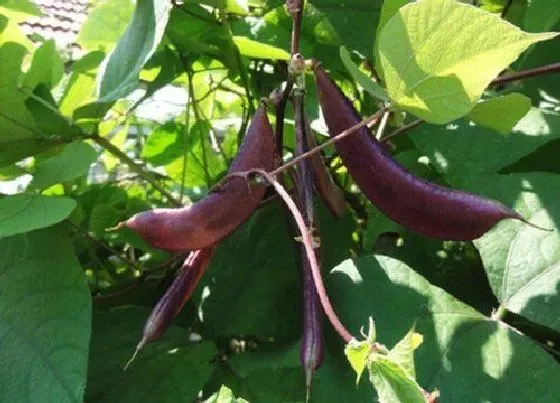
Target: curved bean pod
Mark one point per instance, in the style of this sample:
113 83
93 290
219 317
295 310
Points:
431 210
178 293
219 213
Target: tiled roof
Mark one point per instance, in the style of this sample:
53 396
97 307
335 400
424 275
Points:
61 20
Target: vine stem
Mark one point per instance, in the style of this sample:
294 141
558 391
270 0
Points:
307 240
136 168
372 119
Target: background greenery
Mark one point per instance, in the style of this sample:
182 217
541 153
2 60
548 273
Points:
80 157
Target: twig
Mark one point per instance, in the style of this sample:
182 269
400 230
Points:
295 8
403 129
338 137
136 168
308 244
105 246
507 78
529 73
139 280
382 125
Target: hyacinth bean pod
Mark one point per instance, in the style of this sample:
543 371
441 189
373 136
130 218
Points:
175 297
431 210
221 211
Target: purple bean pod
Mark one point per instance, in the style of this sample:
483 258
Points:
431 210
225 208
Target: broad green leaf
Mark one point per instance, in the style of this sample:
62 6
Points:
46 68
354 21
392 383
27 212
187 366
461 347
73 162
432 76
81 86
264 269
258 50
11 32
45 316
47 117
269 377
522 262
502 113
541 15
360 77
17 131
224 395
105 25
388 10
403 352
462 151
119 73
19 10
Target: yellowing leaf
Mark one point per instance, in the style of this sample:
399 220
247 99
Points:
438 56
501 113
357 354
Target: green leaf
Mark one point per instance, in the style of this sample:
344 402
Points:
105 25
462 151
388 10
81 86
431 75
45 319
224 395
357 353
47 117
522 262
349 16
392 383
187 366
11 32
240 7
501 113
27 212
258 50
541 15
461 347
493 6
73 162
18 137
46 68
19 10
403 352
360 77
119 74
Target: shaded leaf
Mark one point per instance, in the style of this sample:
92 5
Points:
186 365
73 162
501 113
119 73
27 212
45 319
461 347
360 77
392 383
